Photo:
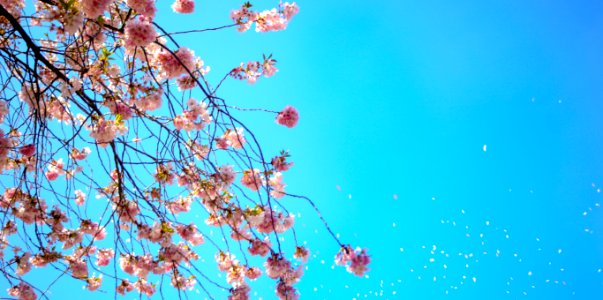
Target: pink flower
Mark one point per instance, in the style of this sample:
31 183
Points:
93 283
186 82
173 65
80 197
79 268
289 10
244 17
22 291
140 32
184 6
359 262
221 143
3 104
124 287
240 292
258 247
276 266
225 261
94 8
151 102
253 273
80 154
55 168
23 264
288 117
144 7
28 150
252 179
190 233
301 253
182 204
277 185
104 131
13 7
144 288
356 260
181 283
226 175
104 256
286 292
280 164
235 138
269 67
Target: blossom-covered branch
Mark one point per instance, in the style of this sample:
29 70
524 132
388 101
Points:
111 136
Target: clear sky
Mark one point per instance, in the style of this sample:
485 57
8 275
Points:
459 141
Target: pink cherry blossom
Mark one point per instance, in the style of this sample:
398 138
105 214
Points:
253 273
225 261
356 260
143 287
144 7
124 287
22 291
173 65
55 168
289 10
104 131
235 138
80 154
140 32
23 264
184 6
277 186
286 292
288 117
190 233
276 266
28 150
182 283
244 17
280 164
94 8
359 262
240 292
259 247
79 268
3 106
104 256
93 283
301 253
269 68
181 204
80 197
151 101
252 179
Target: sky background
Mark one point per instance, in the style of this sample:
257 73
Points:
458 142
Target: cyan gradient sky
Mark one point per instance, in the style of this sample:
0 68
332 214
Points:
399 97
397 100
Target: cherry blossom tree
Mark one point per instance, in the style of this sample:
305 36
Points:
104 154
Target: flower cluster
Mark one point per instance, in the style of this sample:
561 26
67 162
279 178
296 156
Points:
94 8
355 260
252 70
288 117
177 63
184 6
268 20
140 32
195 117
144 7
101 75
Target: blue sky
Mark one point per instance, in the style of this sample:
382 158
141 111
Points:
399 98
